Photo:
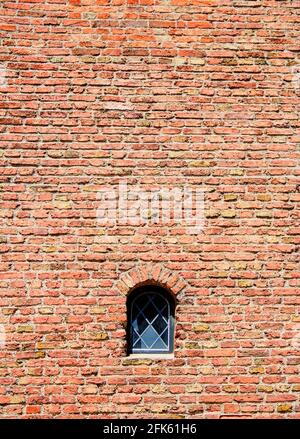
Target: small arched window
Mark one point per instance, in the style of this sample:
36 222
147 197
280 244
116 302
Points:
150 321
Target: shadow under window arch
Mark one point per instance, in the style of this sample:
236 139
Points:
151 320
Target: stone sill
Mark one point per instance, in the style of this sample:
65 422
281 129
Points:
151 356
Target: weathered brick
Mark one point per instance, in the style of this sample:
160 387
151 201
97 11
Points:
161 94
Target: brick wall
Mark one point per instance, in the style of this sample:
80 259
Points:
158 92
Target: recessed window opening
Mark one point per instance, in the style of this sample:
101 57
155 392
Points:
150 312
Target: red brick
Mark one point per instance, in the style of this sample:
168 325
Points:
204 92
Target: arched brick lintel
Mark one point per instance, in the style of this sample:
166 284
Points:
151 275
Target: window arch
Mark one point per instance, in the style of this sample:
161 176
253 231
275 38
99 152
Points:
150 311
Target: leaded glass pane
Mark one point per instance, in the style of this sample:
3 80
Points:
159 324
150 323
157 345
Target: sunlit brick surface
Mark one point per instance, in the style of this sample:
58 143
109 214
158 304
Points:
162 93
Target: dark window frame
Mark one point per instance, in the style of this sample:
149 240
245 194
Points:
168 297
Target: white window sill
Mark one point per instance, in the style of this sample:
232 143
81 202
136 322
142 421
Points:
152 356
